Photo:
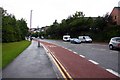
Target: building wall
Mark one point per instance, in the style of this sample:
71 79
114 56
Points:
119 17
116 15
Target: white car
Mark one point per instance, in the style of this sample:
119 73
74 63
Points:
114 43
85 39
66 38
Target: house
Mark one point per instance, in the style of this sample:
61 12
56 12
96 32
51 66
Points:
115 14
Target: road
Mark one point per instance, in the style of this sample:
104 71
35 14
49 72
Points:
96 53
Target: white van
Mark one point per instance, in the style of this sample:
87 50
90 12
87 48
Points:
66 38
85 39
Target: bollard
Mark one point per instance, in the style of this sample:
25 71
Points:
38 44
31 38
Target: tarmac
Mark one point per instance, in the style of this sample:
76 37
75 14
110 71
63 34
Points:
31 63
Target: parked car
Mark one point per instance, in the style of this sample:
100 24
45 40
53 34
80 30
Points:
85 39
66 38
75 40
114 43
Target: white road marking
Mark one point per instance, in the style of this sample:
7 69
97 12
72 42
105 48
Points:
98 49
65 48
113 72
75 52
69 49
113 51
94 62
82 56
51 46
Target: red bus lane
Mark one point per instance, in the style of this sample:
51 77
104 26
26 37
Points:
76 66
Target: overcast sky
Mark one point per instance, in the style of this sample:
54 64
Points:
46 11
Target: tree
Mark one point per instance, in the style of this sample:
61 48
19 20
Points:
13 29
77 24
22 25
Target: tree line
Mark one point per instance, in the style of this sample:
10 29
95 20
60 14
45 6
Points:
13 29
99 28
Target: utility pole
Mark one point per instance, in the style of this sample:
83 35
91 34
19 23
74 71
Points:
31 19
119 4
30 25
38 37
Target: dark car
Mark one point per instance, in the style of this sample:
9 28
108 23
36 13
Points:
75 40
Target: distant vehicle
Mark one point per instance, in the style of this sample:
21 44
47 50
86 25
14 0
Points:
42 37
85 39
75 40
66 38
114 43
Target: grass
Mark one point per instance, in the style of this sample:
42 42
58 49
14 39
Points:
0 55
11 50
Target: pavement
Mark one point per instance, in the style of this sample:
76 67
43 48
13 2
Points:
31 63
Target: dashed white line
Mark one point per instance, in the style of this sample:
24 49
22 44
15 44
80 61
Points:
94 62
52 46
75 52
113 51
113 72
65 48
82 56
69 49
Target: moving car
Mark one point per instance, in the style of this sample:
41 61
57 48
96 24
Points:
85 39
75 40
114 43
66 38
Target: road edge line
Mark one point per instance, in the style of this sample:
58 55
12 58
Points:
113 72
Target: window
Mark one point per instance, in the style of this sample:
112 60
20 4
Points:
115 17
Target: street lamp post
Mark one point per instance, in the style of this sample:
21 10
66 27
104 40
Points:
31 19
38 37
30 25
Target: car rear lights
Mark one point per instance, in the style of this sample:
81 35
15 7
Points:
118 45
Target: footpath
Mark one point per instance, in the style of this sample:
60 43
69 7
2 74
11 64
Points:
32 63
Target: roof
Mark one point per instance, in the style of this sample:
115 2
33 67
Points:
117 8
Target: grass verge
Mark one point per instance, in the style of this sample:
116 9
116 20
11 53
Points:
11 50
0 55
